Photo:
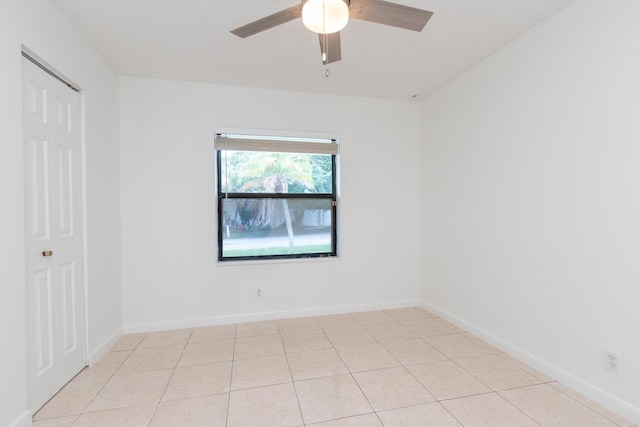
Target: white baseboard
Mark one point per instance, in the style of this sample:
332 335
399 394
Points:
267 315
96 354
594 393
24 420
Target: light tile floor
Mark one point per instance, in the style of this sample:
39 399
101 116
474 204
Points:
391 368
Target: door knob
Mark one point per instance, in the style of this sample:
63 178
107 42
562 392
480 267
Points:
47 253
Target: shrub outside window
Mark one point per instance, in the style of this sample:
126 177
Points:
276 197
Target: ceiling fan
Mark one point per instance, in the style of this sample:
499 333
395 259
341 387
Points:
328 17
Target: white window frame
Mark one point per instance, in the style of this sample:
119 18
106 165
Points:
305 143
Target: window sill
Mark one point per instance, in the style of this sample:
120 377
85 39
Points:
276 261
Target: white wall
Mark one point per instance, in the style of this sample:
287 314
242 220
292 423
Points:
170 273
531 198
37 25
13 371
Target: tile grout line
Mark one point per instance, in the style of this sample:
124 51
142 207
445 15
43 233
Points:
104 385
356 381
438 401
352 377
579 402
293 383
155 411
386 345
519 409
233 357
414 377
402 365
450 359
492 390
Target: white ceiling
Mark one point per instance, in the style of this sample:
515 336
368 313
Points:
190 40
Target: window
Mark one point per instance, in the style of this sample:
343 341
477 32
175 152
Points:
276 197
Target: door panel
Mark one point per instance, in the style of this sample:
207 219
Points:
39 197
53 189
69 316
65 183
43 321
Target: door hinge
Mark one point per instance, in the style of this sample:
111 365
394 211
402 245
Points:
334 203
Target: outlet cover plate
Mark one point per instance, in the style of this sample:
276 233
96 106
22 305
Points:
611 362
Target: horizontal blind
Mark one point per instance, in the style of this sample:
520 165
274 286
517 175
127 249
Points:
276 144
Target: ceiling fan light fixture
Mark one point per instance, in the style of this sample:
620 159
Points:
325 16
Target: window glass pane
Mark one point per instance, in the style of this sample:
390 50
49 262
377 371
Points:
266 172
267 227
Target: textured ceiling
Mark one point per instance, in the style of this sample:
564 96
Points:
190 40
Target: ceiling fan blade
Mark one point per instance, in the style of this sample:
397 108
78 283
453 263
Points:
330 47
387 13
270 21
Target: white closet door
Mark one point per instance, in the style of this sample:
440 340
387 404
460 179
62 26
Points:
53 198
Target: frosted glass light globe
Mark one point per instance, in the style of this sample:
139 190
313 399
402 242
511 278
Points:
325 16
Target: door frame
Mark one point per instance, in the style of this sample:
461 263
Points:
55 73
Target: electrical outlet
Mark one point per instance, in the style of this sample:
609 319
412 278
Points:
258 293
611 361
